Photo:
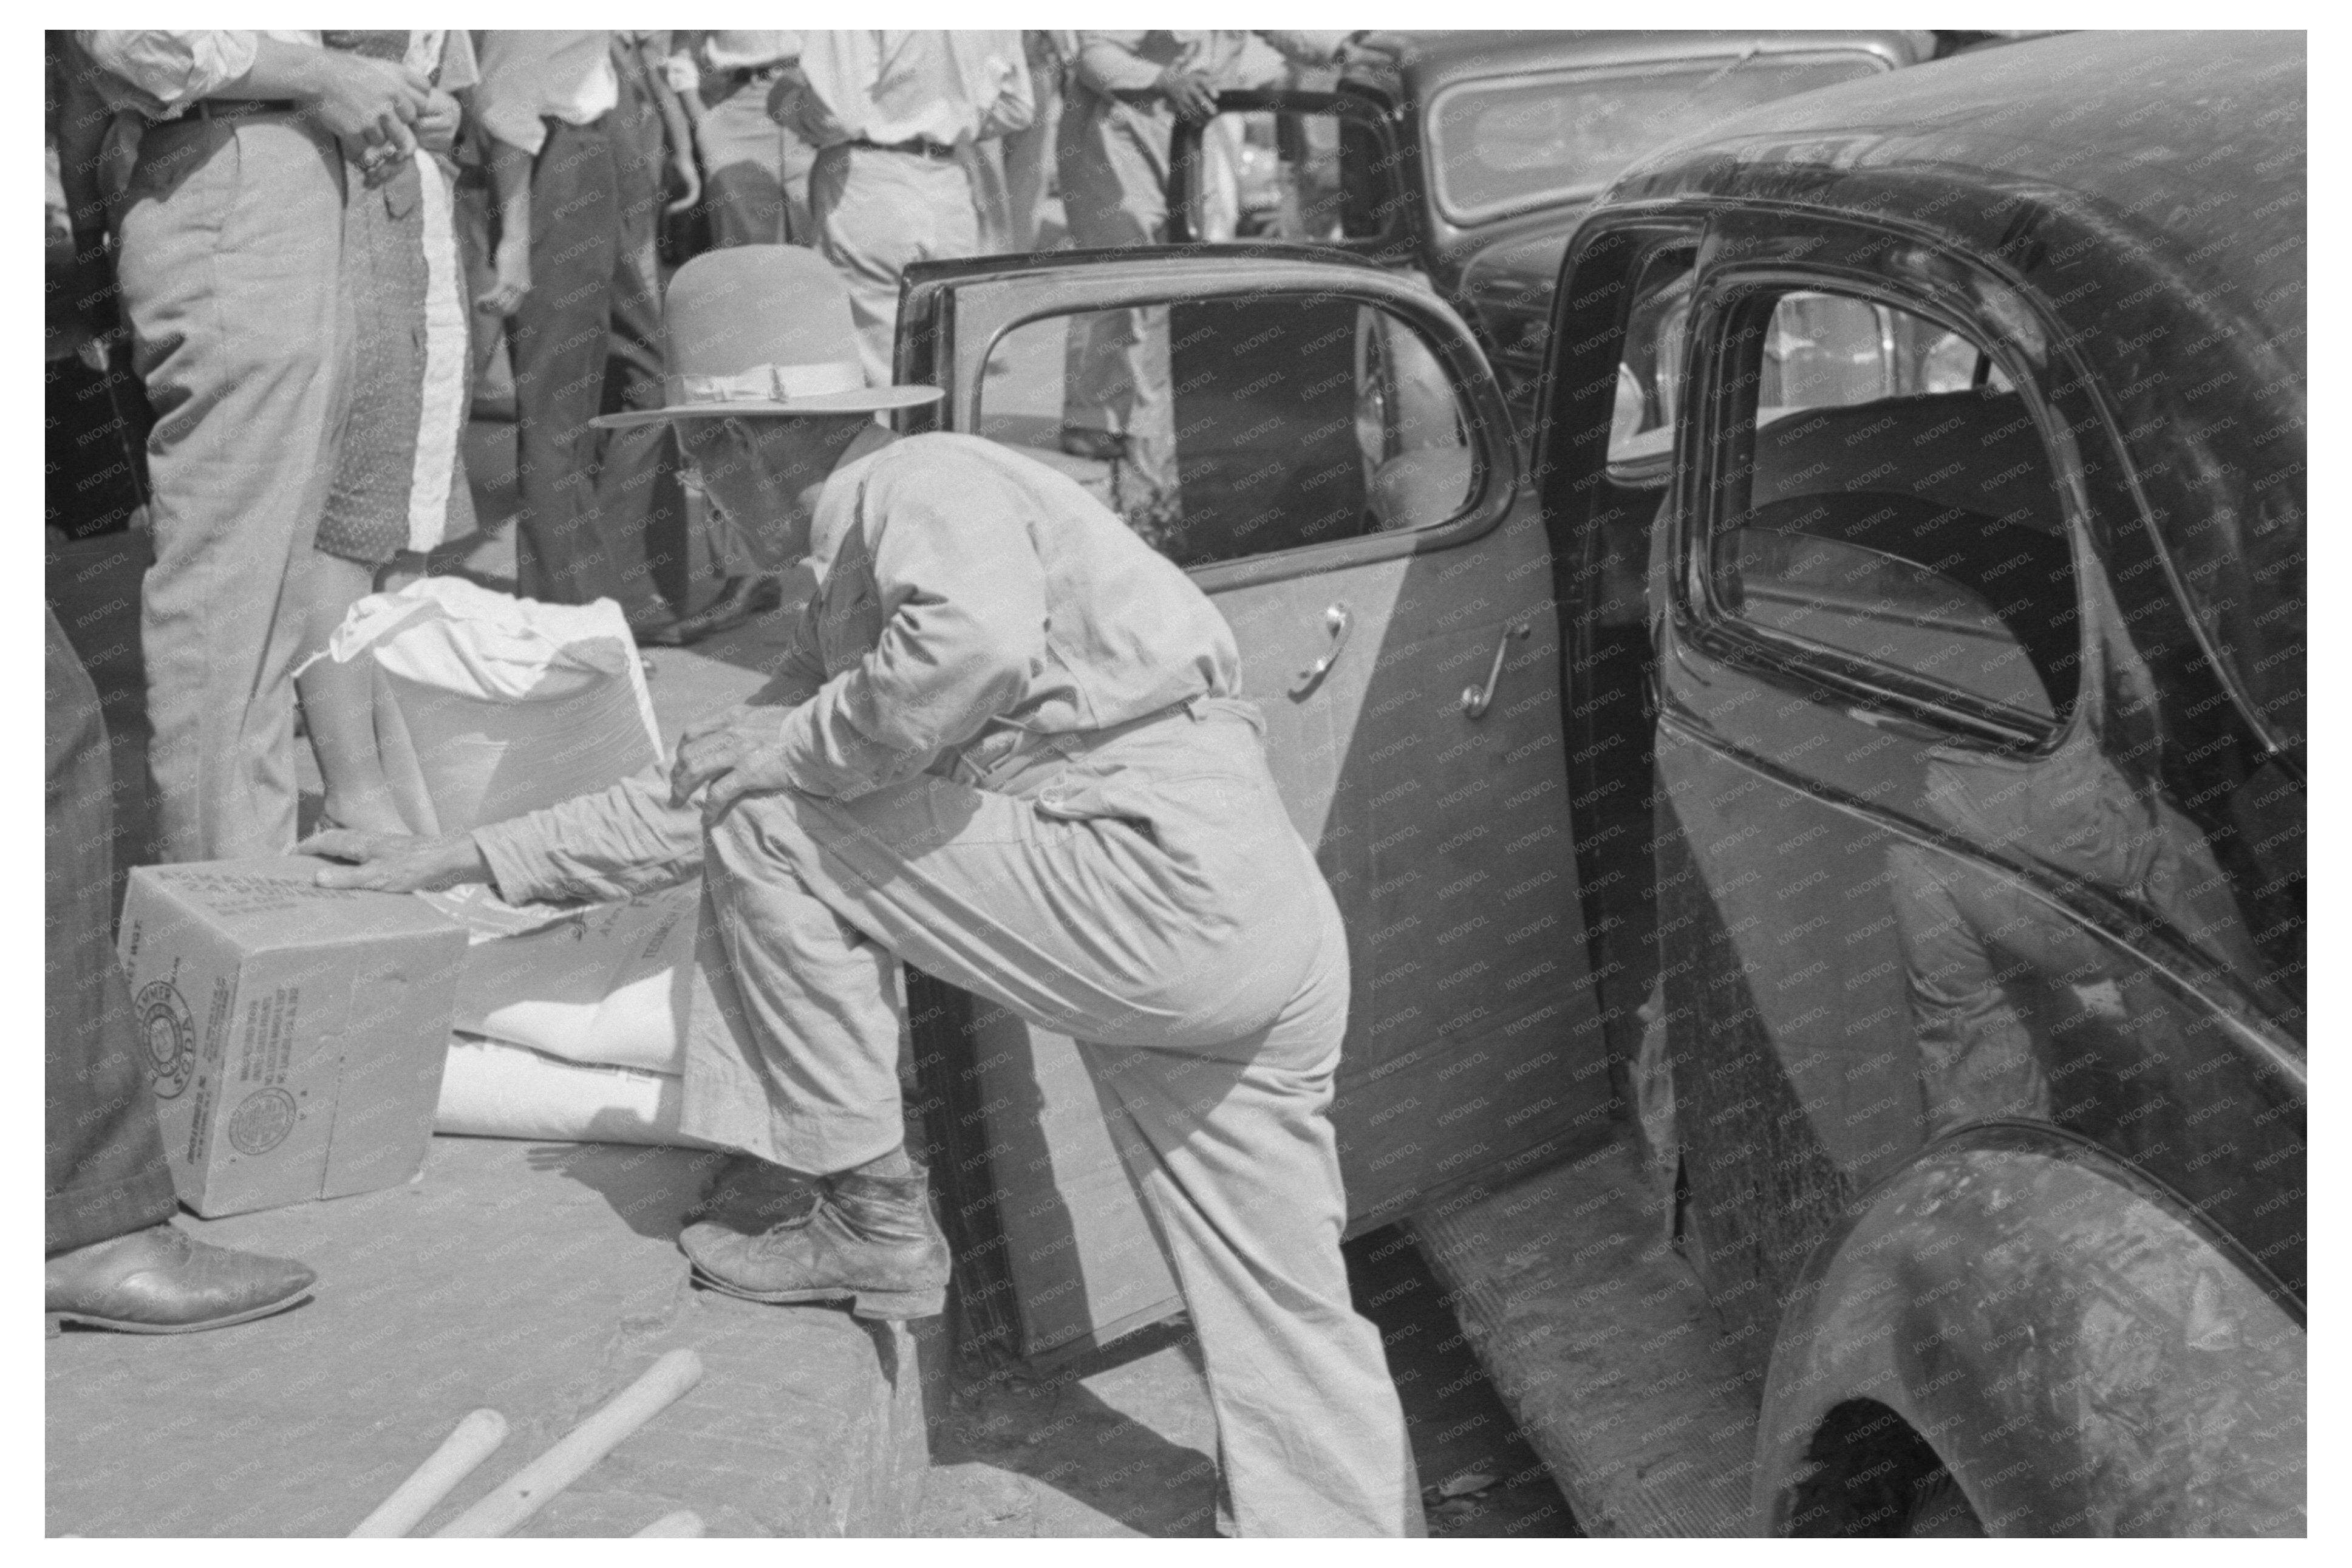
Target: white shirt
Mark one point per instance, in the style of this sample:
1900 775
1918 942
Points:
528 74
939 86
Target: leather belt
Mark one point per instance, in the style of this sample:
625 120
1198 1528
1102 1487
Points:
918 148
742 76
244 108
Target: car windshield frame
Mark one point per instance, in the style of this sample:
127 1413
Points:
1707 69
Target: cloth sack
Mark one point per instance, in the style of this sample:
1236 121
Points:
599 983
488 705
493 1089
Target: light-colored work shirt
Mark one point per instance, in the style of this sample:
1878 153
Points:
1115 64
530 76
938 85
970 602
159 74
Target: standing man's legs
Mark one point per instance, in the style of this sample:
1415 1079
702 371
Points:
1114 169
111 1259
106 1171
558 336
638 507
876 213
232 250
1029 159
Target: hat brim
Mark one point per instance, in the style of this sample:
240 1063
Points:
864 400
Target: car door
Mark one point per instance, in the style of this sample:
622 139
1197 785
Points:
1321 168
1911 870
1393 611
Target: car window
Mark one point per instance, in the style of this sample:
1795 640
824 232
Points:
1304 175
1506 143
1649 371
1892 502
1226 428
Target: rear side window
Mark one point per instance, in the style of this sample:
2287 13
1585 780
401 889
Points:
1887 508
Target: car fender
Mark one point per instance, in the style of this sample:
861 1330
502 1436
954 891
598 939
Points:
2081 1351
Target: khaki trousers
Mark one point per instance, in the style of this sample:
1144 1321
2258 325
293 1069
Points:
876 213
1114 174
1144 892
232 235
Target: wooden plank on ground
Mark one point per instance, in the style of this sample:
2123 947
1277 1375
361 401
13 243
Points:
1602 1345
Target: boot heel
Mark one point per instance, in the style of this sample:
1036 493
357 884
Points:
900 1305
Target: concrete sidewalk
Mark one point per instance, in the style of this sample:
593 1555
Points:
536 1280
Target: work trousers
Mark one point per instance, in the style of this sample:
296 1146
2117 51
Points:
1114 170
232 243
755 172
876 213
106 1173
1029 159
592 285
1143 892
638 505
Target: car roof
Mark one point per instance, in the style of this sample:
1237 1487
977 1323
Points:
1431 60
2195 142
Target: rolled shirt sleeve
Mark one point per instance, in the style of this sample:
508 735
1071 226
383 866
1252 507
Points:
166 71
1110 62
628 839
960 594
616 843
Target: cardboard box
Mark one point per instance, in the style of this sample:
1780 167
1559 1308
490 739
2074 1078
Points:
295 1034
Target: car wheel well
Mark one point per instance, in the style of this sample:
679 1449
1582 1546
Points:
1868 1471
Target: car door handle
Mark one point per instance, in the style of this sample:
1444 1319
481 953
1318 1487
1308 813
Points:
1340 619
1476 699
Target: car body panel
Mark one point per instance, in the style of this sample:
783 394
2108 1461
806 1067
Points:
2014 1290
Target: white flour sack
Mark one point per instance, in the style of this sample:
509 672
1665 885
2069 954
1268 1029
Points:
491 1089
488 705
600 982
571 1021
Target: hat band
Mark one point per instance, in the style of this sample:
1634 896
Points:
768 384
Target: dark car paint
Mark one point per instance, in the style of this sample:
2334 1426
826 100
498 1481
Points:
2141 199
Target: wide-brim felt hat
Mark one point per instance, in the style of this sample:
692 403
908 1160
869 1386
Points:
762 329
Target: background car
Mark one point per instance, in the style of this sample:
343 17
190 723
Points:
1471 157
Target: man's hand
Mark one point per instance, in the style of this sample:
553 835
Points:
689 180
365 101
1191 93
510 276
437 128
736 754
395 862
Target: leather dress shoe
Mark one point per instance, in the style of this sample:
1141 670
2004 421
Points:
162 1280
752 1195
868 1240
740 599
656 628
1083 441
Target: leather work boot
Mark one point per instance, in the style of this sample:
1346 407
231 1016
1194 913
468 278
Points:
752 1195
868 1241
740 599
162 1280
